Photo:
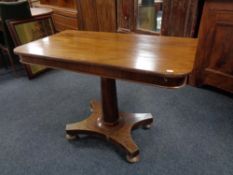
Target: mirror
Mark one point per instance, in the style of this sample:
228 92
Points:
149 17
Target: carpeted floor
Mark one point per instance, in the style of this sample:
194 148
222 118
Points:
192 133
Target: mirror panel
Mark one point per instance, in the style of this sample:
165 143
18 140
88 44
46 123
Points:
149 17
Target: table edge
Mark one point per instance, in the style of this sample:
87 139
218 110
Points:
108 71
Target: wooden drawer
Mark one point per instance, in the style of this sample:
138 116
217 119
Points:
64 18
60 3
64 22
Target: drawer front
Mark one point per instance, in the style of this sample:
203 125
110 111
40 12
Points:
64 22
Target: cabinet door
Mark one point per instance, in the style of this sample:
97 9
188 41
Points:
181 17
214 62
97 15
166 17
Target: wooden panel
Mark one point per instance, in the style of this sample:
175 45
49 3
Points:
64 18
180 17
221 53
87 16
97 15
63 23
219 80
106 15
125 15
214 63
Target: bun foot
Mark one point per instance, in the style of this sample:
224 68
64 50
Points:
147 126
133 159
71 137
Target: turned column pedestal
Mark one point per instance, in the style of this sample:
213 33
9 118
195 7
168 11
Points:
106 121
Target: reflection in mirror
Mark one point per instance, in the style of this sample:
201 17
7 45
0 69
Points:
150 15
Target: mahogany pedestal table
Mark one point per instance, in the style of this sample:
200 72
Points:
161 61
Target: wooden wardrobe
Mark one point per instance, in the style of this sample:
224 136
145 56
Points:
180 17
214 59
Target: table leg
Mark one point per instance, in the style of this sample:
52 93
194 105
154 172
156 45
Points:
106 121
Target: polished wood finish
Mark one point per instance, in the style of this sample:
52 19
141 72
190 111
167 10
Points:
214 63
97 15
109 101
65 14
163 61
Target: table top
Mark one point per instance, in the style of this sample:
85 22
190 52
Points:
137 54
40 11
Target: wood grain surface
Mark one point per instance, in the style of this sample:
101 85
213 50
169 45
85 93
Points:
140 52
142 56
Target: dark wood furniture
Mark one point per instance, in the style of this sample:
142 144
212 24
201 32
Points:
179 17
64 13
162 61
8 11
214 60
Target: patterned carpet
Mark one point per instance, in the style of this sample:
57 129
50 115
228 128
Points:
192 133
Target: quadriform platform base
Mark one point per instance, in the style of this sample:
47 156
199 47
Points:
119 133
